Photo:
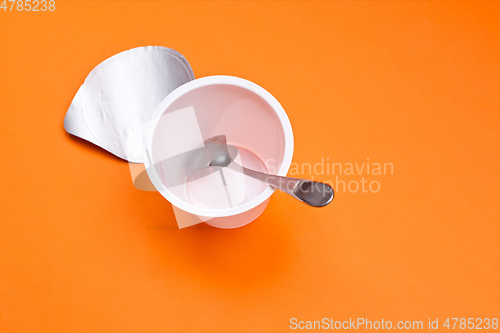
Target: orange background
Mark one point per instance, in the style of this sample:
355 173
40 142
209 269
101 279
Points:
415 84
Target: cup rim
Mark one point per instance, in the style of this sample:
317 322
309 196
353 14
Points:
207 81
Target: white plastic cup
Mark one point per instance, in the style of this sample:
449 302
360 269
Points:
250 118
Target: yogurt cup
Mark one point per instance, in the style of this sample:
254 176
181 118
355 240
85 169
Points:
251 119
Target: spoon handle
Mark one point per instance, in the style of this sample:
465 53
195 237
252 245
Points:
310 192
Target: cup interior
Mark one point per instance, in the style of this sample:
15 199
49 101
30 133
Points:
251 120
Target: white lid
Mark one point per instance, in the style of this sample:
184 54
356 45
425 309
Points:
120 95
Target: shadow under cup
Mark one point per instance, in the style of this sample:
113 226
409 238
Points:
252 120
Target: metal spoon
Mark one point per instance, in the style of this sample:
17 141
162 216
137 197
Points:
313 193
